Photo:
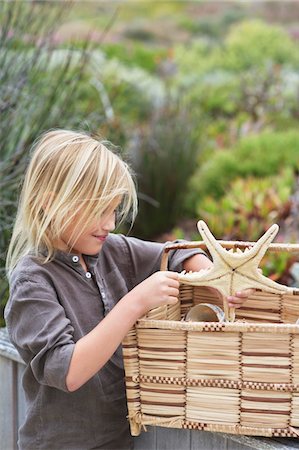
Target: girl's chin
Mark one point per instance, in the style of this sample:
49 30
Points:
92 250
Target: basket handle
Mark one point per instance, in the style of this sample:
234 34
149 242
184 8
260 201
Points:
291 248
229 312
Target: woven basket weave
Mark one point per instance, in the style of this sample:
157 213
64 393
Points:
240 377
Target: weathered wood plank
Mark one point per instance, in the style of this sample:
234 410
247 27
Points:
239 445
262 443
6 347
146 441
289 442
7 405
172 439
20 395
205 440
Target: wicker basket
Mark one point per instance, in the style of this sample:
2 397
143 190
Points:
237 377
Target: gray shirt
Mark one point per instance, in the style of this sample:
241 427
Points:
51 306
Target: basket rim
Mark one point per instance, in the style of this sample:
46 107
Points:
281 328
275 247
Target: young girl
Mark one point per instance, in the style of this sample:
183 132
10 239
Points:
76 290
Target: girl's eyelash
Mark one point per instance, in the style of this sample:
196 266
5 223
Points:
114 211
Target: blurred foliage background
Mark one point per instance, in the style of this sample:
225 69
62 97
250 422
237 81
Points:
202 99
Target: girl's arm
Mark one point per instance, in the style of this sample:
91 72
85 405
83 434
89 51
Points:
93 350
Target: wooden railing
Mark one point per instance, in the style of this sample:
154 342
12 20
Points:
12 402
12 413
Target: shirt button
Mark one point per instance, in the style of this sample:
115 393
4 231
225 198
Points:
75 259
88 275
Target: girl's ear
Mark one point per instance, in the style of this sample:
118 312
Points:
48 198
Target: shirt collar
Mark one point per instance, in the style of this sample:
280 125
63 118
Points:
73 258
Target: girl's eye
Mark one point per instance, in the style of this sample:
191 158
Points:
108 212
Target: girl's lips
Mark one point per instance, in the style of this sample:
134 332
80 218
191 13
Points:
100 238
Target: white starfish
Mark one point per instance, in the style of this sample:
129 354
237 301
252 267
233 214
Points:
234 271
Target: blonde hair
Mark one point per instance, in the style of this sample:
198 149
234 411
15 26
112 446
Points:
68 170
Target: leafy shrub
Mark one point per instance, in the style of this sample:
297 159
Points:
214 26
133 92
253 43
250 80
250 44
163 157
249 207
135 55
139 33
258 155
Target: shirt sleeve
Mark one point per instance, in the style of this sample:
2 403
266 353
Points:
145 257
40 330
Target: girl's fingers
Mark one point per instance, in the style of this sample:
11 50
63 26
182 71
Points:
172 283
173 292
172 300
236 302
173 275
235 299
244 294
235 306
172 279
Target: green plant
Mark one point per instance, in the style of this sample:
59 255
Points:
163 157
136 55
216 25
249 207
249 79
133 92
252 43
249 45
259 155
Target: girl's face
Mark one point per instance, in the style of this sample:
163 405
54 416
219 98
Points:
89 241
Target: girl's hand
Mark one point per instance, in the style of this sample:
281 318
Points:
200 261
161 288
237 300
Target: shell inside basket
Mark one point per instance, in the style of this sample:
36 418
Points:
205 312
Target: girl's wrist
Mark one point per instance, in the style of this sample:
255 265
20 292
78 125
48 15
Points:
133 303
197 262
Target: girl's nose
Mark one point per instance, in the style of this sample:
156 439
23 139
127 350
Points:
109 222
